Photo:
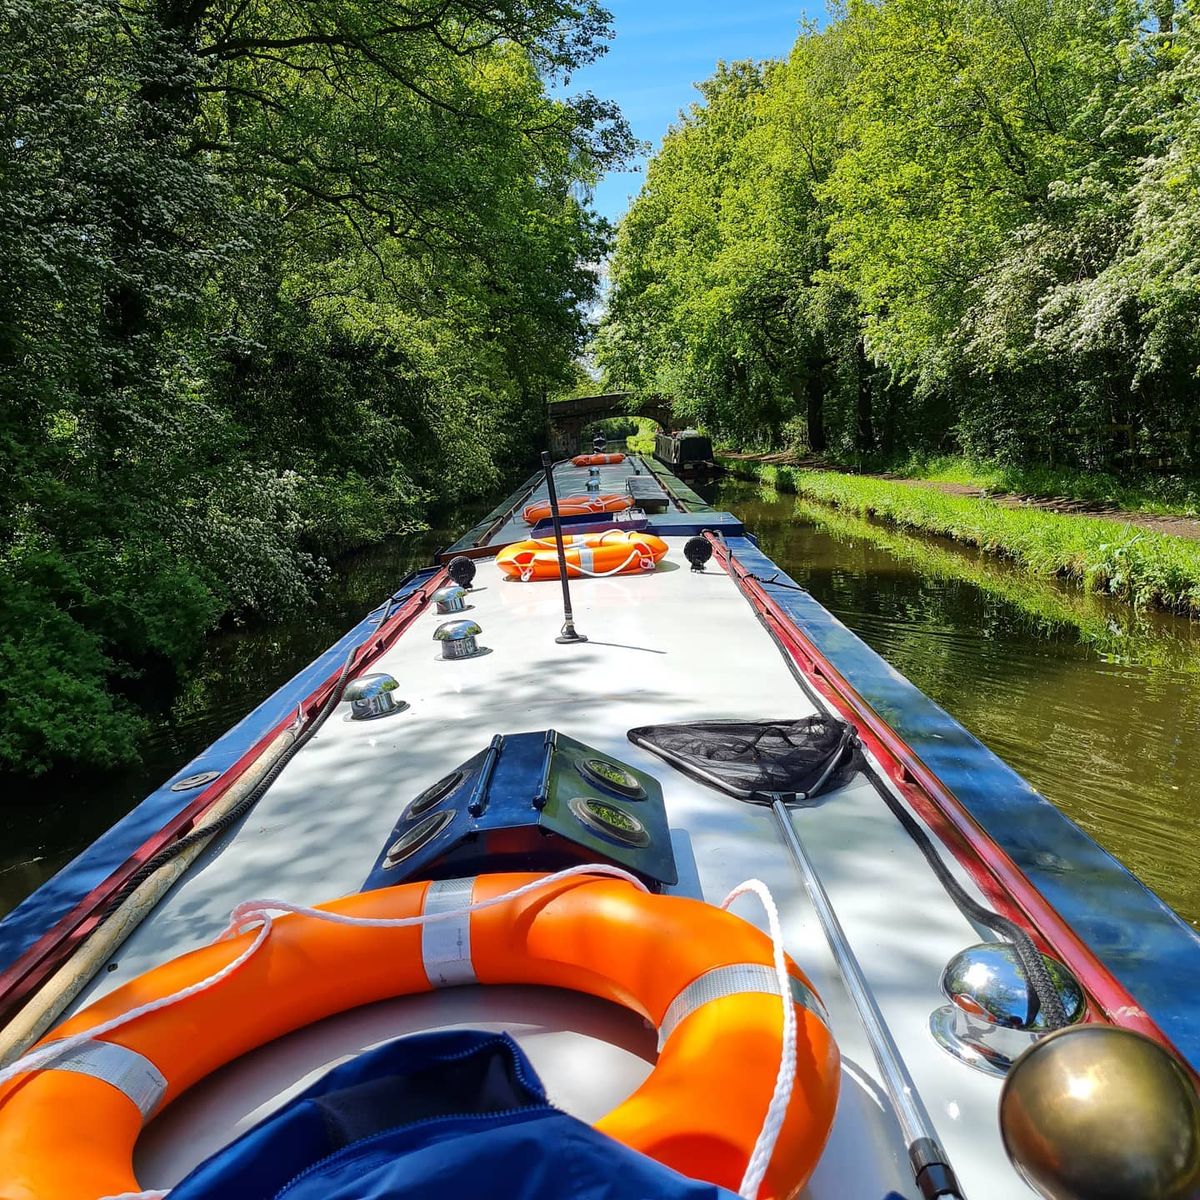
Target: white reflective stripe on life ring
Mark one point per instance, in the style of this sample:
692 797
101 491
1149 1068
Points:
446 945
131 1073
733 980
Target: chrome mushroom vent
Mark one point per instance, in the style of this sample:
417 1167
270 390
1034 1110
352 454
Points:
450 599
373 696
458 639
988 1022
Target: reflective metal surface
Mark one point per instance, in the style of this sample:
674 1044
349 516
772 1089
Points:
373 696
987 1023
911 1113
450 599
612 776
611 820
432 795
421 834
458 639
188 782
1134 934
1100 1113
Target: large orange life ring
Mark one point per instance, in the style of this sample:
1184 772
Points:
596 460
701 975
614 552
574 506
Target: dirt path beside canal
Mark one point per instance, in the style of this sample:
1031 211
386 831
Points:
1184 527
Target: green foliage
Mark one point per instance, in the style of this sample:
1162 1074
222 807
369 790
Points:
55 702
276 277
1144 568
1163 495
642 442
940 225
637 432
1122 635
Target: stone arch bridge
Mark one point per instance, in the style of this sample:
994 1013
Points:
566 419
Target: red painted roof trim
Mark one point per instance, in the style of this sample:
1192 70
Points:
27 973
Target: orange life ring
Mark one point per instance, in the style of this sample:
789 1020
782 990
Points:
698 973
596 460
614 552
575 506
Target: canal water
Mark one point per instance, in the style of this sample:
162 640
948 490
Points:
47 822
1097 706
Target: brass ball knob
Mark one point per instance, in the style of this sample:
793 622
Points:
1100 1113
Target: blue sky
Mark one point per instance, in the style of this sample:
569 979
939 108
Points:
662 48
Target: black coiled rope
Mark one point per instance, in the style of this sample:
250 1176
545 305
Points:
252 797
1044 997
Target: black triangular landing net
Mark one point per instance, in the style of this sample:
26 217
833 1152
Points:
757 760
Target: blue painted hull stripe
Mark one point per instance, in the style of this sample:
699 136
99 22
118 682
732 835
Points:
1147 947
55 898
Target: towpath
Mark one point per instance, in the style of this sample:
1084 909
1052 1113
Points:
1185 527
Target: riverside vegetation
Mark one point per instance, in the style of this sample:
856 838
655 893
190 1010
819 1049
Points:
275 278
1136 565
1156 494
938 226
1114 633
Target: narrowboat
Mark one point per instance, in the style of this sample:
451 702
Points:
684 451
599 860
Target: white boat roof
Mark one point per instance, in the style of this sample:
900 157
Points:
671 646
570 481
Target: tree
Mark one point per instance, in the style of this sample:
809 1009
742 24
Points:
939 224
277 276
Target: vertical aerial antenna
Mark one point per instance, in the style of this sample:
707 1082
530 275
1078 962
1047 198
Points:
567 633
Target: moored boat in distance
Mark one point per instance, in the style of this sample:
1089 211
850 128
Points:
684 450
619 839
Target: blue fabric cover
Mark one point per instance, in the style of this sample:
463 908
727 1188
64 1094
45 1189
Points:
433 1117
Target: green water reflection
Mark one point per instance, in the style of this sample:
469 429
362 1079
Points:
50 821
1097 706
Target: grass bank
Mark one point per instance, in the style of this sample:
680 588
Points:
1135 565
1155 495
1117 633
1165 495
